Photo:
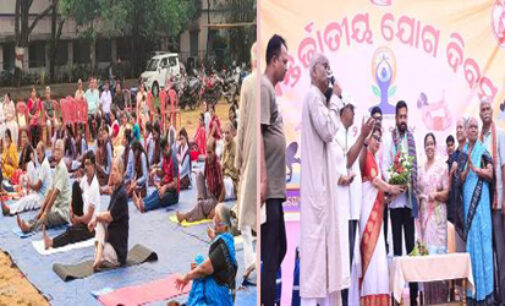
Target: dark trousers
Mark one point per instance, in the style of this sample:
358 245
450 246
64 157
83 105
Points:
402 218
499 256
353 225
76 232
273 249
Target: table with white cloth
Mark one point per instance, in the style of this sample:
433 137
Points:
430 268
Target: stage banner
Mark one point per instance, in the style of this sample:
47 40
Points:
442 57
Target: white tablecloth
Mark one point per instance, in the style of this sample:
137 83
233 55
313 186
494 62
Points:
427 269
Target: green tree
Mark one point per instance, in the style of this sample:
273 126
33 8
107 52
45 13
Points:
152 20
240 11
23 29
96 17
144 21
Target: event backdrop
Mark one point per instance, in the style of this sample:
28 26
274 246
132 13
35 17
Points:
440 56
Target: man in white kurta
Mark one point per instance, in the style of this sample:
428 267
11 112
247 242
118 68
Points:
245 161
324 268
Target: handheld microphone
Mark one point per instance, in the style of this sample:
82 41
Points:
329 91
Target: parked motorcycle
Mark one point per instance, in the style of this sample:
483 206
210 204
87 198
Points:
231 86
189 92
213 85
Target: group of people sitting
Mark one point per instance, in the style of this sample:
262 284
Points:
65 181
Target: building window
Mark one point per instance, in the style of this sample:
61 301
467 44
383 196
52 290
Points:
81 52
103 50
37 54
8 57
62 53
193 43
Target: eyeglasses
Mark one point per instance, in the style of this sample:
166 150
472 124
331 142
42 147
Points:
378 138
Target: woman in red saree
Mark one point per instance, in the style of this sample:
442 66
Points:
374 280
200 139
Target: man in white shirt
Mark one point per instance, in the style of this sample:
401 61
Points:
40 186
92 97
105 102
403 208
85 204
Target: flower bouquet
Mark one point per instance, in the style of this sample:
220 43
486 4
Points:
419 250
399 172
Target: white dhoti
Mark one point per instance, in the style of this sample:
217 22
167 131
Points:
28 202
330 300
249 254
109 255
229 191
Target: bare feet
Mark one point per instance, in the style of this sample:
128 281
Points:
48 242
25 228
97 264
141 205
180 216
138 202
6 211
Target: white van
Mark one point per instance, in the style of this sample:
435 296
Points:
159 68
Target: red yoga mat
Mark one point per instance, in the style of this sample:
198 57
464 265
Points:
159 290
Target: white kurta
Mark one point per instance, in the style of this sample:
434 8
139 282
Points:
245 158
324 268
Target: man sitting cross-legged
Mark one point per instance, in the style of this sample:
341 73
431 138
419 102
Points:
83 206
210 188
54 210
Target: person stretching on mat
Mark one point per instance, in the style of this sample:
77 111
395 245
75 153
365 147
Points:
214 279
82 207
111 226
54 210
167 190
210 188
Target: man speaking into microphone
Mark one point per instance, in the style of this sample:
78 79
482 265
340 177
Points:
324 266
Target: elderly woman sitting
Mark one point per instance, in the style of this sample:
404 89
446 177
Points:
111 226
214 279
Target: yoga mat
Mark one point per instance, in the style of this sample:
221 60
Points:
185 223
16 230
137 255
158 290
38 245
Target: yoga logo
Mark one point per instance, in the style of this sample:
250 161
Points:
498 21
384 73
381 2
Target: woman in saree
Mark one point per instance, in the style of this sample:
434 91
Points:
34 109
214 279
475 173
374 280
184 159
433 192
200 138
9 157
